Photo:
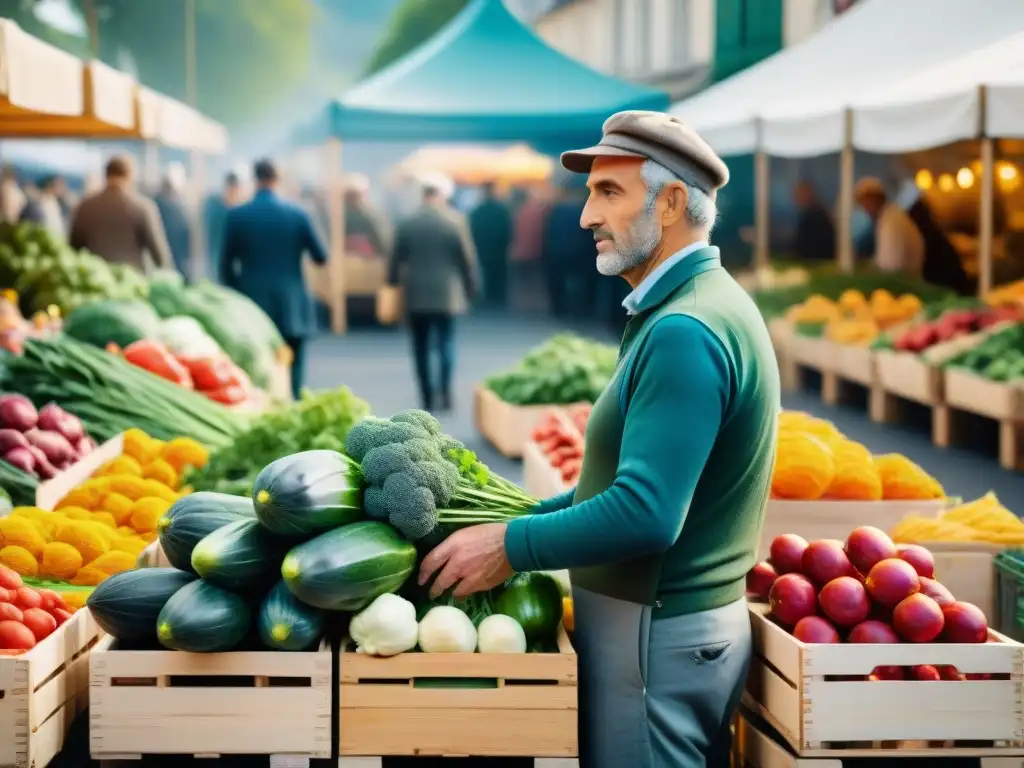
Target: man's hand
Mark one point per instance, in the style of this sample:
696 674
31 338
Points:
474 558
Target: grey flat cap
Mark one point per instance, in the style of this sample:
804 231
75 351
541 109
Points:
665 139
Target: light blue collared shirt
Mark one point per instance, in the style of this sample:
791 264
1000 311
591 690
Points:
632 301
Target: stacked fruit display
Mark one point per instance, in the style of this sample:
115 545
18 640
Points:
559 436
1000 357
866 590
814 460
982 520
854 319
950 325
27 615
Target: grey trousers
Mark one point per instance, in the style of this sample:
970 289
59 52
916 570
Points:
658 694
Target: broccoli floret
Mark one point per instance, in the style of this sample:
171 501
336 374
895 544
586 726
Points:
373 504
411 507
447 443
421 419
439 477
379 463
373 433
422 449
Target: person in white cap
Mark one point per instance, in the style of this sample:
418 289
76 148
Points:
899 246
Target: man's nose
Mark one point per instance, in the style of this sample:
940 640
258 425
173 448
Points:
588 220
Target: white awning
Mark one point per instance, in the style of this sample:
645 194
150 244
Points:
797 98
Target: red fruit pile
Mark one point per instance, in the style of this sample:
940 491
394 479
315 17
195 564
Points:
951 325
866 590
27 615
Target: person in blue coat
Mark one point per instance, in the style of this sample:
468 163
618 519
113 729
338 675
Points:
264 243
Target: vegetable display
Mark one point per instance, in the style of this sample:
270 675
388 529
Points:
946 327
27 615
1000 357
40 443
14 328
565 369
112 396
316 421
560 438
865 590
113 321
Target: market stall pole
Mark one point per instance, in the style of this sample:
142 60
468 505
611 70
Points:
336 222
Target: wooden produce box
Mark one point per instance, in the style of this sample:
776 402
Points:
41 692
540 479
49 493
1002 402
458 704
507 427
804 692
813 352
909 376
208 705
968 570
854 363
826 519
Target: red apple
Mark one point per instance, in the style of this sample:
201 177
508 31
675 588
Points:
844 601
919 557
787 553
814 629
936 591
760 579
792 597
868 545
825 560
886 673
963 623
872 631
892 580
925 672
918 619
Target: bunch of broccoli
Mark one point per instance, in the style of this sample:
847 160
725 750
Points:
418 477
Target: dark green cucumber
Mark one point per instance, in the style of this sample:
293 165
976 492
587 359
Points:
308 493
345 569
535 601
126 604
285 624
203 618
193 518
241 556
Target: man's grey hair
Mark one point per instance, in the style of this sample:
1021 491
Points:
701 211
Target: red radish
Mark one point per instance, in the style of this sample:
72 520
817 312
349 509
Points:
868 545
11 438
792 597
892 580
53 445
936 591
10 612
85 446
963 623
43 468
53 418
845 601
39 622
918 619
22 458
814 629
17 412
15 636
887 673
824 560
760 579
787 553
919 557
9 579
925 672
872 631
26 597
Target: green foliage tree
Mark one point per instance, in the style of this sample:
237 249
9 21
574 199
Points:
413 23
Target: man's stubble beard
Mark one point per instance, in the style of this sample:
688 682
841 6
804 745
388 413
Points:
633 248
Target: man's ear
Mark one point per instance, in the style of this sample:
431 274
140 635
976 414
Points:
675 204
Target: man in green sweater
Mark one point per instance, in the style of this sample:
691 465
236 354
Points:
664 523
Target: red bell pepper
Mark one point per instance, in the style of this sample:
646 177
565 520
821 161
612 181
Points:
215 373
157 359
232 394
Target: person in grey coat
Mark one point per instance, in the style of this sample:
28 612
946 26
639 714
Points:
434 261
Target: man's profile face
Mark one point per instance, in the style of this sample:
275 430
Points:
619 215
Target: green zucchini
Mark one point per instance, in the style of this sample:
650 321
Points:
126 604
308 493
345 569
203 618
241 556
285 624
535 601
193 518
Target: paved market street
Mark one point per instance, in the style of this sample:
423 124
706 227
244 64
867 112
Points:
376 364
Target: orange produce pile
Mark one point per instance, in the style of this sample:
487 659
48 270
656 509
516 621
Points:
27 616
560 438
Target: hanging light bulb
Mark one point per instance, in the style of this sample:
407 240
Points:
946 182
965 178
924 179
1007 172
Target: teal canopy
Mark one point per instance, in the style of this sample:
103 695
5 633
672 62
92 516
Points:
484 77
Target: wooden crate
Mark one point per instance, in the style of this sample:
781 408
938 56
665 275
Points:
835 519
968 570
756 744
49 493
525 706
507 427
41 692
540 479
805 693
207 705
1002 402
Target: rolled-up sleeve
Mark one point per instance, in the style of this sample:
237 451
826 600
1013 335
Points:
674 403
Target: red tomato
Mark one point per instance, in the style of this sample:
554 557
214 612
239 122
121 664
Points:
15 636
10 612
229 395
9 579
39 622
157 359
61 615
215 373
51 600
26 597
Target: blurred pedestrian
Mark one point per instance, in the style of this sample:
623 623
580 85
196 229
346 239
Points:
526 276
215 214
434 260
815 233
568 256
45 208
491 226
899 246
121 225
12 198
366 231
264 243
175 217
942 263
